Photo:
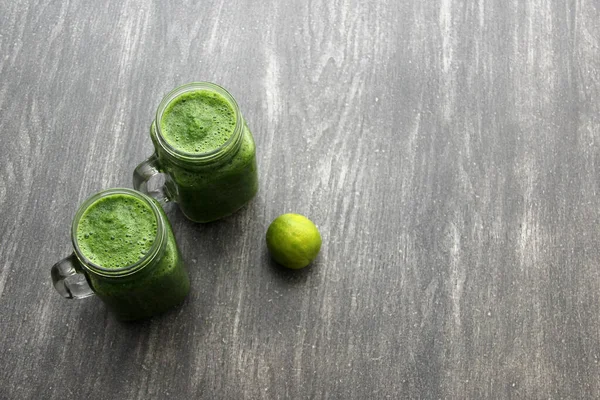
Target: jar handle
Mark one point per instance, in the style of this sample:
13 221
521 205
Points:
68 280
144 172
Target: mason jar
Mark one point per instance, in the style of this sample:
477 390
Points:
154 283
208 185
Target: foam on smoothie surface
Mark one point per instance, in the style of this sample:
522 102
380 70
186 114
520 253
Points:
198 122
116 231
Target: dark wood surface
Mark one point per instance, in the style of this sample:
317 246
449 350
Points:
448 151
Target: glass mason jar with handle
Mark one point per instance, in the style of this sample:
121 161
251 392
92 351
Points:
125 253
205 151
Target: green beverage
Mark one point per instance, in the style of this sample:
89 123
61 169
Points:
125 248
198 121
116 231
206 150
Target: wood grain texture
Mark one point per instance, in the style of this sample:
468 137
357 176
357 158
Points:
447 150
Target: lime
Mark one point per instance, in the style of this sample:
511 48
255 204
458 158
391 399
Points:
293 240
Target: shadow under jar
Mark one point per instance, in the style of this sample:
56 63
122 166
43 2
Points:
125 253
205 151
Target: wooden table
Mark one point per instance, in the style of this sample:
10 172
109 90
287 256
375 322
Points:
448 151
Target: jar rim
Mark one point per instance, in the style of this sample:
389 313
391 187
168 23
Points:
197 157
157 244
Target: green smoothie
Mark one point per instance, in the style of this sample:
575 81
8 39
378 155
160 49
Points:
198 122
140 272
116 231
201 123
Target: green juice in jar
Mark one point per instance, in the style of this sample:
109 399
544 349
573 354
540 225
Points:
130 255
205 147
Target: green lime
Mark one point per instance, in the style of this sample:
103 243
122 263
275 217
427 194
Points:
293 240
